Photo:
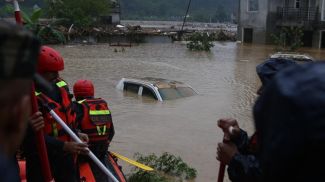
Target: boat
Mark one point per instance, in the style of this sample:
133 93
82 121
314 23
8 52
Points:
86 174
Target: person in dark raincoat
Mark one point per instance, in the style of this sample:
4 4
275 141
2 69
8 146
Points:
290 119
18 54
239 151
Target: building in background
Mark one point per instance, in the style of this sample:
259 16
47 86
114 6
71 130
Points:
114 17
258 19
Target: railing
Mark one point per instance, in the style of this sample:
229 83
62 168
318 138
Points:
304 14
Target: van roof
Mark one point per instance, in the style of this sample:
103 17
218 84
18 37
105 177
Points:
157 82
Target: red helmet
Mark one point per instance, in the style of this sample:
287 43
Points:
49 60
83 88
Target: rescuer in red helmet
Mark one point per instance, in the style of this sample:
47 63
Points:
95 120
61 150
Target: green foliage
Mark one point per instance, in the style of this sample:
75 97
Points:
81 13
6 10
143 176
288 39
47 34
200 42
168 168
32 20
222 36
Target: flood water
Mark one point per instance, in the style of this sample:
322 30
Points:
225 79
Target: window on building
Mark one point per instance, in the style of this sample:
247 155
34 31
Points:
252 5
297 4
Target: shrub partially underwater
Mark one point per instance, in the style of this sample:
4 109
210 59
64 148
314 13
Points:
200 42
168 168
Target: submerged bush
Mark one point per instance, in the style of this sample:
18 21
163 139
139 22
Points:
200 42
168 168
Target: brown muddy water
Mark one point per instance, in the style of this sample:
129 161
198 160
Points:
225 79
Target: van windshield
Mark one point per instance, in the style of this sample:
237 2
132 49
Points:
175 93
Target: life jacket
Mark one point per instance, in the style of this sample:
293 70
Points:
96 121
62 109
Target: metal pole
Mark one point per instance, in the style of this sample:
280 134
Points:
188 8
75 138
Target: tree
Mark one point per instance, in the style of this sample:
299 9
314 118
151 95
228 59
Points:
288 39
81 13
47 34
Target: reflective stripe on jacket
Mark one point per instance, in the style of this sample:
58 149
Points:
63 109
97 121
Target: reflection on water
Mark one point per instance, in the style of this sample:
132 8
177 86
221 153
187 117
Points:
225 79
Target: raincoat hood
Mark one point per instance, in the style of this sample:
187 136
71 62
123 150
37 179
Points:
290 119
267 70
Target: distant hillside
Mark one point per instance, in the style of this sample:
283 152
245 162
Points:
201 10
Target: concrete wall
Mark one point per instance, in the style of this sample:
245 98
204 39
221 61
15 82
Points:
115 18
255 20
320 26
264 21
272 19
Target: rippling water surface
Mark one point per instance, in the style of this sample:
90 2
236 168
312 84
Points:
225 79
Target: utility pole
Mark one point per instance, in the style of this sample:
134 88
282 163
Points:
188 8
180 34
